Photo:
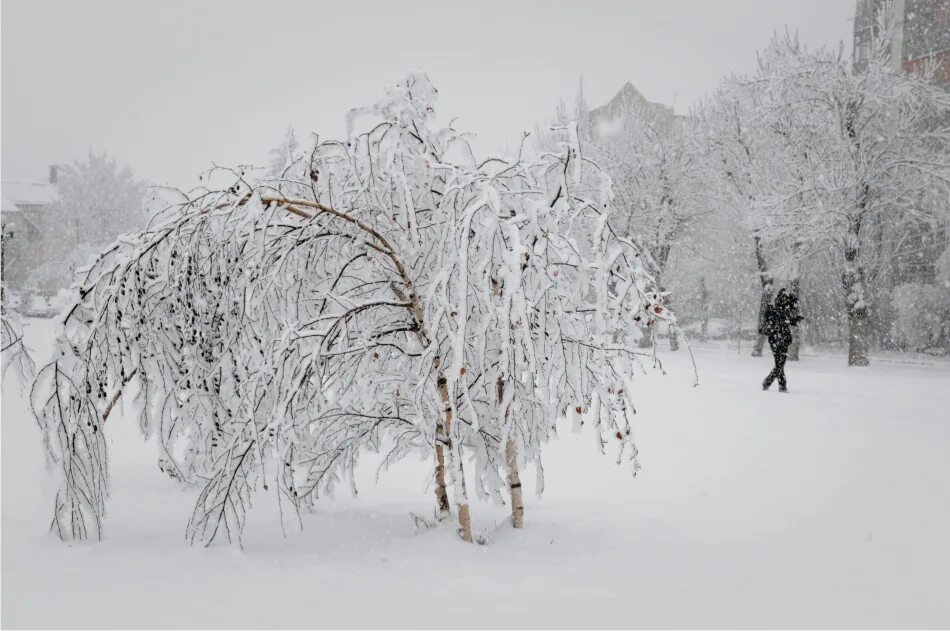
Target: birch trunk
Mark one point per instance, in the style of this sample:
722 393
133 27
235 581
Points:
455 463
441 494
443 426
514 478
514 485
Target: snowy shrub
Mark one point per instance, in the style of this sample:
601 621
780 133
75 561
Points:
923 315
386 291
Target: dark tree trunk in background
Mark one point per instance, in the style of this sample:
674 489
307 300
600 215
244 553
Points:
855 294
859 321
703 309
765 277
795 286
796 344
662 256
881 302
859 337
674 338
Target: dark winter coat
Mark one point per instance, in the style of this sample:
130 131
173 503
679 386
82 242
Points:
779 318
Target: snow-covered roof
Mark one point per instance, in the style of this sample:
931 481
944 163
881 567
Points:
629 102
11 215
28 193
7 205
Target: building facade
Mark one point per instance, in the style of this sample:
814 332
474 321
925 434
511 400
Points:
921 39
24 221
921 34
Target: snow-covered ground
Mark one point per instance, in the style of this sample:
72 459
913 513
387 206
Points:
828 506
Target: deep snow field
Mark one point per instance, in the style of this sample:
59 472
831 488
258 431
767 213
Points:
828 506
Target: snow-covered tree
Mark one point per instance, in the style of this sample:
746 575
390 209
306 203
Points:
384 291
284 155
827 155
734 152
648 155
100 199
654 178
859 150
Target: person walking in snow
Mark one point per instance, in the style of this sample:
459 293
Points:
779 318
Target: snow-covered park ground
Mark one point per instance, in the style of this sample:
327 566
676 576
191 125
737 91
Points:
828 506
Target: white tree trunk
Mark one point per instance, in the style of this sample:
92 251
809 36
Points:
511 461
514 484
441 494
455 463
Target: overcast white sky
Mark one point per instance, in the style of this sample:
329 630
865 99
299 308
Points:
168 86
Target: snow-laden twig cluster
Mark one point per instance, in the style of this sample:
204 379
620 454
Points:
12 351
382 292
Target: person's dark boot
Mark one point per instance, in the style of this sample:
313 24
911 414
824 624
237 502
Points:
783 388
766 384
